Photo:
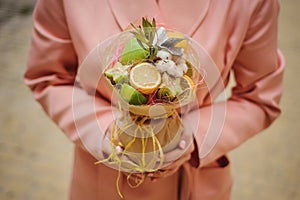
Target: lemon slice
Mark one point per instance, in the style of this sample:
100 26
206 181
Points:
132 96
187 85
145 77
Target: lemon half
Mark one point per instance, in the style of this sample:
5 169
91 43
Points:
145 77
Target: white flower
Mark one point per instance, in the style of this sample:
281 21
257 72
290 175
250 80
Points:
182 67
180 60
165 65
176 71
164 55
171 68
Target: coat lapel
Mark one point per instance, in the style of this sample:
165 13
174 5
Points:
129 11
180 15
184 16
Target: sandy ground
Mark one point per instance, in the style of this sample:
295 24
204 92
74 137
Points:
36 158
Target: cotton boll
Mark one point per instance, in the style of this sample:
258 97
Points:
161 66
175 71
165 65
171 68
178 70
180 61
164 55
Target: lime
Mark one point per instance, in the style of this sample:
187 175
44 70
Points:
132 96
117 74
133 52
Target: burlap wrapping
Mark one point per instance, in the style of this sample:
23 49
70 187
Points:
166 128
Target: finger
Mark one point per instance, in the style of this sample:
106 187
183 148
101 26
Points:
171 171
135 178
162 174
157 174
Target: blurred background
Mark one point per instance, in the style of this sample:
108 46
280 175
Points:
36 158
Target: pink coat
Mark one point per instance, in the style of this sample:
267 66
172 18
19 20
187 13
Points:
239 36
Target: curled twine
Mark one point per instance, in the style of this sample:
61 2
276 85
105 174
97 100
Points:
141 167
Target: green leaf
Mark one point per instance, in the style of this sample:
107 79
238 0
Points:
145 35
141 45
153 22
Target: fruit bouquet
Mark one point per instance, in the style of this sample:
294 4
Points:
152 73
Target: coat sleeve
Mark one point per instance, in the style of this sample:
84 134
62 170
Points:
50 74
254 104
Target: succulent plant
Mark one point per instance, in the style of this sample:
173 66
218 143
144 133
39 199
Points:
152 39
145 36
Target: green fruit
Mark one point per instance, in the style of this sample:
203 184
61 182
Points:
165 93
117 74
132 96
169 88
133 52
190 71
116 77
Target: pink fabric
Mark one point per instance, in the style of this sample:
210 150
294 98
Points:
239 36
